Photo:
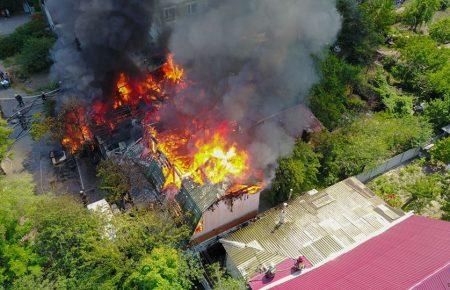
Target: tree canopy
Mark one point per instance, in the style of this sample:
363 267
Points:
5 142
298 172
366 142
418 12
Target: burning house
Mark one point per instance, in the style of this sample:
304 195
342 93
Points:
210 121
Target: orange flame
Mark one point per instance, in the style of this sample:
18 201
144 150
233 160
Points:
213 160
77 132
172 71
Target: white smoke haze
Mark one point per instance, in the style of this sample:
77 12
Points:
254 59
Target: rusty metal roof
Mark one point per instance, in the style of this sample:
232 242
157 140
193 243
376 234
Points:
317 226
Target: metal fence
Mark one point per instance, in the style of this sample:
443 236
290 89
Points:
388 165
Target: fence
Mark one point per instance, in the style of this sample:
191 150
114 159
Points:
388 165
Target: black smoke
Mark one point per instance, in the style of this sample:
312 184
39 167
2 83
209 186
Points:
97 40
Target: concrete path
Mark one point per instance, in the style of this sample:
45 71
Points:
8 25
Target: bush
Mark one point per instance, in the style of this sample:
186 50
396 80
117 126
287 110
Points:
398 105
13 43
441 151
366 143
438 112
35 55
298 172
329 99
440 31
10 45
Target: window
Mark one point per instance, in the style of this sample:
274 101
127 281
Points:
191 8
169 14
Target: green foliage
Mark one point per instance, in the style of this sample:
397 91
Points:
438 112
5 142
423 191
399 105
16 255
34 56
297 172
367 142
440 31
358 38
14 42
422 65
114 179
222 281
419 12
160 270
41 126
387 190
441 151
329 99
381 13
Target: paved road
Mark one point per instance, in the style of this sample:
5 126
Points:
7 25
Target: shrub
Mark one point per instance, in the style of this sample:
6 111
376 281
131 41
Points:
10 45
441 151
35 55
366 143
438 112
398 105
329 101
13 43
440 31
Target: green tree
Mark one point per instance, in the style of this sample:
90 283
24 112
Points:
17 257
367 142
14 42
423 191
419 12
420 59
35 56
358 39
441 151
438 112
114 179
5 142
297 172
223 281
329 99
160 270
381 13
440 30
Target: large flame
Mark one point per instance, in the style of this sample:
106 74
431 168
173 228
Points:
207 157
77 132
213 158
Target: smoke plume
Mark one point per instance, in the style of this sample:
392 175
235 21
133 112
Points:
250 60
245 60
97 39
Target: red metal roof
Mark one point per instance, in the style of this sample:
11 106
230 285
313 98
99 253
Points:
413 254
284 269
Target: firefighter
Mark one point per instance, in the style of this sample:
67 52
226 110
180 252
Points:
299 264
19 100
22 120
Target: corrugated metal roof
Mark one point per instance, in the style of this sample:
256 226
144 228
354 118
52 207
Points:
413 254
316 226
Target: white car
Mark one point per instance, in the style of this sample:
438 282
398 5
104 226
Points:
5 83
